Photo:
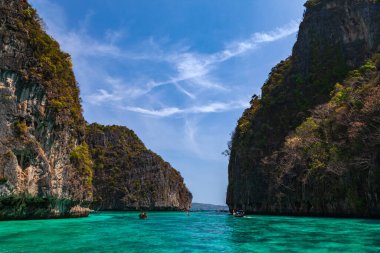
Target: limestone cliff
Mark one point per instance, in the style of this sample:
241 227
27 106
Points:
46 169
310 146
127 176
41 123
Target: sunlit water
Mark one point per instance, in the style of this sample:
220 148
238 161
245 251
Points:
199 232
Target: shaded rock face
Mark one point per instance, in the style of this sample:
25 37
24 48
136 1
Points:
127 176
274 166
38 132
349 27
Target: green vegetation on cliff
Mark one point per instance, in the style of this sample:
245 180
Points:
42 149
25 206
295 150
335 150
312 3
81 159
51 68
128 176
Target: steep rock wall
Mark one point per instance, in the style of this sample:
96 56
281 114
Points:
334 38
127 176
40 114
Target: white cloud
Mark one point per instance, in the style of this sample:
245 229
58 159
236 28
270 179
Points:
119 90
192 68
190 133
104 95
184 91
165 112
195 72
196 68
114 36
240 47
207 108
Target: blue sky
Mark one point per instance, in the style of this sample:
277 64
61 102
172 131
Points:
178 73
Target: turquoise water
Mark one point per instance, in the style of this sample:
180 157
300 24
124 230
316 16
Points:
199 232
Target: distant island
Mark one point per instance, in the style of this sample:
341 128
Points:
207 207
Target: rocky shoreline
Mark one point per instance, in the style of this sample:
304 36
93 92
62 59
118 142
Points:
26 207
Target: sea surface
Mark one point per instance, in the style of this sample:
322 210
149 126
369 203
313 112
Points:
199 232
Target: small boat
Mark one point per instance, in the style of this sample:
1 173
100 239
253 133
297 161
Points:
143 216
238 213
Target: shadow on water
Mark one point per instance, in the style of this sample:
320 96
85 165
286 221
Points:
295 234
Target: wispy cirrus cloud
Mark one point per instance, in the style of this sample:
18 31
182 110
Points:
118 90
192 73
193 69
237 48
216 107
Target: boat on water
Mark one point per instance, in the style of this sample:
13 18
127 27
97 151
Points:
238 213
143 216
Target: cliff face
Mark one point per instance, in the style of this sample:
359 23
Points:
127 176
41 123
295 150
46 169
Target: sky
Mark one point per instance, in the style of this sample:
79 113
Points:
177 72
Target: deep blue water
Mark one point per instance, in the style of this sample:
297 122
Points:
199 232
